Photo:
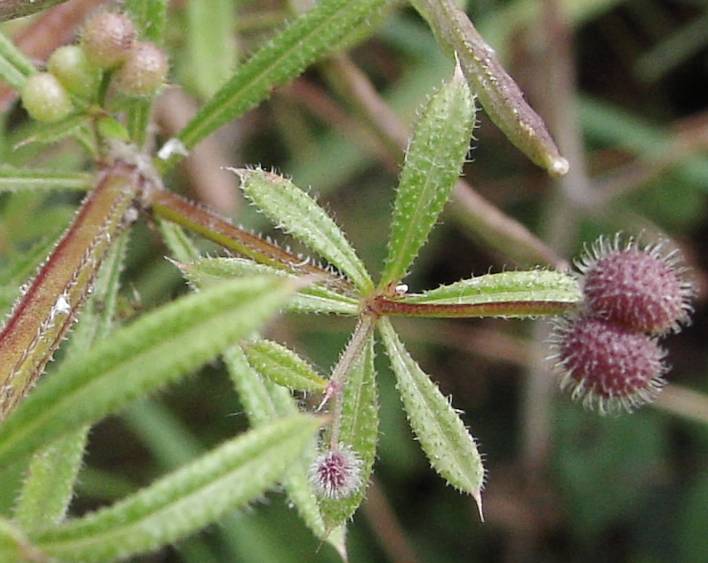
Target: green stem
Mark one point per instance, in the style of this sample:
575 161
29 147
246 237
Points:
138 120
341 371
49 306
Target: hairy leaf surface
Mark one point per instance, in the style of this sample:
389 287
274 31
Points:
156 349
358 429
433 163
534 285
291 209
305 40
316 298
283 366
451 450
188 499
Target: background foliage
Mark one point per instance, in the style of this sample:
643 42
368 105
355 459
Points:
565 485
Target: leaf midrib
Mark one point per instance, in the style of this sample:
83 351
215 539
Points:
258 78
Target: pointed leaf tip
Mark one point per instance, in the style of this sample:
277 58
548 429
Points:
477 496
458 75
433 163
325 28
450 449
337 538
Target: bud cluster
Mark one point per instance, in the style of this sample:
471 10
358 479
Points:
609 352
108 44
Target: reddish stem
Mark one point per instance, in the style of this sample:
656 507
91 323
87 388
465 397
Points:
220 230
11 9
48 307
383 306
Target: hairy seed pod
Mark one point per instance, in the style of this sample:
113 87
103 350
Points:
107 39
45 99
336 473
606 365
73 69
143 72
640 288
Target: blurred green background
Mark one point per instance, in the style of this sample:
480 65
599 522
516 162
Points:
563 485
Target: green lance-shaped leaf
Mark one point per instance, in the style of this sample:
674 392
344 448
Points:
535 286
49 487
433 163
263 402
308 38
316 298
358 430
183 502
18 179
283 366
452 452
500 96
14 66
51 475
291 209
158 348
532 285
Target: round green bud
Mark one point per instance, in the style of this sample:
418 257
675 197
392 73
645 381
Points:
70 65
107 38
143 72
45 99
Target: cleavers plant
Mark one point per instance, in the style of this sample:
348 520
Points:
100 92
